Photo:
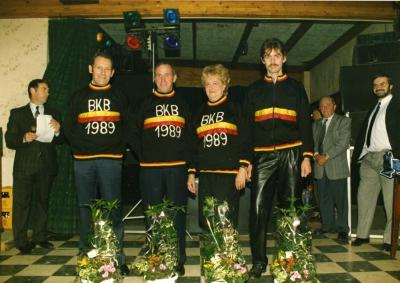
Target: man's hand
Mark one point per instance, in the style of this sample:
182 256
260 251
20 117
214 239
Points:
240 181
321 159
30 136
191 183
55 126
305 167
249 171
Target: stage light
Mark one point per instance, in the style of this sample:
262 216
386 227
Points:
133 41
132 20
171 17
172 44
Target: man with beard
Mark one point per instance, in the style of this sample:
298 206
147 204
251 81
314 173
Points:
279 119
379 134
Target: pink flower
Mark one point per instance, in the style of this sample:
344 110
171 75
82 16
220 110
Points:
294 275
237 266
163 266
306 273
243 270
106 269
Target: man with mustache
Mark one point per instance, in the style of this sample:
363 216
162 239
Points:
279 116
378 135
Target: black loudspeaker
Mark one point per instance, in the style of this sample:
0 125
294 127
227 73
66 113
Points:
356 85
376 53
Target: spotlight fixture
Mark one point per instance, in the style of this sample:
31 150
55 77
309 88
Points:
172 38
171 17
133 41
132 20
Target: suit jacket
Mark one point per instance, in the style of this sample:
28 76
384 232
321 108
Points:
335 144
392 128
30 156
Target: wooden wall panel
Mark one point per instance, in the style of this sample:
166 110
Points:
361 10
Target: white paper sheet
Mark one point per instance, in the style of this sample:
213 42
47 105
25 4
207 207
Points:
43 130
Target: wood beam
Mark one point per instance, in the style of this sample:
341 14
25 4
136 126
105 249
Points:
346 37
242 43
297 35
335 10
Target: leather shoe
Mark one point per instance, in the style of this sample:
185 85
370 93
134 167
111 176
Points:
257 270
359 241
27 248
386 247
180 269
124 270
45 244
342 237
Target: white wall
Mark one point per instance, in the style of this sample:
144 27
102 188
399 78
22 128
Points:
23 49
324 78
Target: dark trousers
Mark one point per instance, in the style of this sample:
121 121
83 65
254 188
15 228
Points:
222 187
105 175
24 187
170 183
333 194
274 172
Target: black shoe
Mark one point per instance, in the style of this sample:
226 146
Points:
45 244
359 241
180 269
124 270
342 237
386 247
27 248
257 270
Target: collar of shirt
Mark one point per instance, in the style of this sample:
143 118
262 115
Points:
328 121
33 108
385 101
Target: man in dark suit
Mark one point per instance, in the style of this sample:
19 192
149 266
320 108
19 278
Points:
331 140
379 134
35 166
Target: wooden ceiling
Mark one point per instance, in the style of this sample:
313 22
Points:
337 10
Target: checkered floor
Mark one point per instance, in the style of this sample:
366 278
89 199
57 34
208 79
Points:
334 262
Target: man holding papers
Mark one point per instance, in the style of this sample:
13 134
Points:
35 164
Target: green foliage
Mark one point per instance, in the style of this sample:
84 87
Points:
222 256
293 261
100 263
161 257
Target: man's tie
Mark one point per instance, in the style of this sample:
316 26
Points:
37 112
371 124
322 136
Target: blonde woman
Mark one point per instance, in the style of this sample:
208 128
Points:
220 157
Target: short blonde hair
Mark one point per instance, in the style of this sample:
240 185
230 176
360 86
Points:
216 70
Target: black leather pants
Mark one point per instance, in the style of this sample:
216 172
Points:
277 171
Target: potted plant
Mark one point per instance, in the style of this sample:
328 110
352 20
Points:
161 258
293 261
100 263
222 255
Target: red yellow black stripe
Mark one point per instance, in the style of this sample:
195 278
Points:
95 87
278 147
168 94
274 112
92 156
162 164
164 120
99 116
220 127
220 171
281 78
218 102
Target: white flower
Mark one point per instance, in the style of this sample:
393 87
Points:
296 222
289 254
93 253
102 223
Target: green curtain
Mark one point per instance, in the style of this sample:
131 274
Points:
72 43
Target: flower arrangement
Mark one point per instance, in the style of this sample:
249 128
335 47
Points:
100 264
223 259
161 258
293 261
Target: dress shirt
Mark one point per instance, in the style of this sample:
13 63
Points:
379 136
33 108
